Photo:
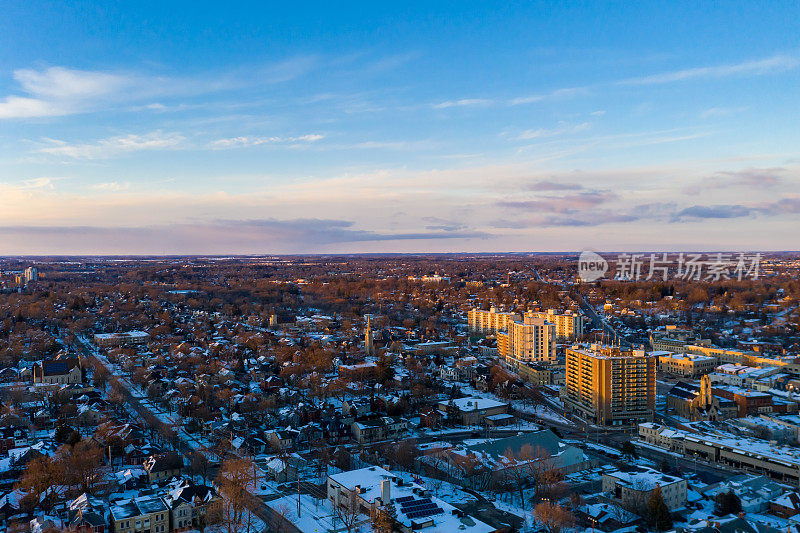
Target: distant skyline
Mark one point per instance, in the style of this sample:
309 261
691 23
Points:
199 128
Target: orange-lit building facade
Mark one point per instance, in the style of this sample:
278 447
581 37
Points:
609 386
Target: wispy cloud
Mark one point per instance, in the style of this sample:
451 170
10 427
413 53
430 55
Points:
562 204
557 94
552 95
713 211
57 91
111 186
721 111
244 142
464 102
752 178
547 220
218 236
113 146
37 183
548 185
782 206
442 224
777 63
563 128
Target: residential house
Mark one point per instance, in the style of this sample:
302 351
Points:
280 439
86 514
188 504
378 428
163 466
632 489
139 515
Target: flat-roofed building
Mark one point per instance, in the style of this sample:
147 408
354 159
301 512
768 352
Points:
540 374
714 444
358 493
473 410
633 489
568 325
609 386
685 364
502 344
121 339
530 340
489 322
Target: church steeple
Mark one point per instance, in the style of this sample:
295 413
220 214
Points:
369 346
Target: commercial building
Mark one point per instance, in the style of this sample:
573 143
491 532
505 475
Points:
541 374
715 445
121 339
502 344
750 402
527 339
609 386
685 364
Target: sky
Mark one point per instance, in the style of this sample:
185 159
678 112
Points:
293 127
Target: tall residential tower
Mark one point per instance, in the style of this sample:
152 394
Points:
609 386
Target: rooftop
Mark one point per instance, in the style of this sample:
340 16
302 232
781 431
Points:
474 403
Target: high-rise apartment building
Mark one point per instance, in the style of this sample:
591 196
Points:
569 325
491 321
609 386
530 340
31 274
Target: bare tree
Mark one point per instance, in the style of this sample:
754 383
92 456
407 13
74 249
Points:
199 465
322 455
347 510
235 480
40 475
383 519
81 464
553 517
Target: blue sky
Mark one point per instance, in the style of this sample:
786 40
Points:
202 128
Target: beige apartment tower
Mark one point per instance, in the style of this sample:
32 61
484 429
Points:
609 386
531 340
491 321
569 325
